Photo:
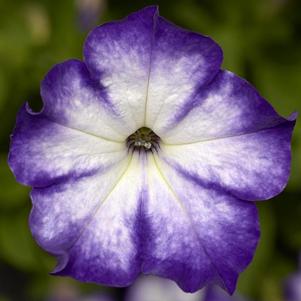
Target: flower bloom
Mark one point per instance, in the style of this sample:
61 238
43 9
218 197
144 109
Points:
154 288
89 12
292 285
147 156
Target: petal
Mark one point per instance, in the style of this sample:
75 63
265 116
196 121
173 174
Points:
154 288
292 287
118 56
195 235
44 152
182 63
73 99
109 227
61 212
105 249
134 58
228 107
253 166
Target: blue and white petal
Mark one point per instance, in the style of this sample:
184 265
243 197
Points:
182 62
253 166
61 211
149 288
44 152
74 99
229 106
155 288
148 66
193 234
231 139
105 246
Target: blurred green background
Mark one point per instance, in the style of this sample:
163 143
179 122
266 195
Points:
261 40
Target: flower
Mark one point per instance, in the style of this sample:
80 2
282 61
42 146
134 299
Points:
149 288
154 288
147 156
214 293
292 285
145 289
89 11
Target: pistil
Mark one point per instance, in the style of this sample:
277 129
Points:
144 139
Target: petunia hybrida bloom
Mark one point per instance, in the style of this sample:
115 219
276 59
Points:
147 156
292 285
88 13
155 288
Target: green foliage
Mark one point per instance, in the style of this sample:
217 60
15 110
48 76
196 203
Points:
12 194
15 241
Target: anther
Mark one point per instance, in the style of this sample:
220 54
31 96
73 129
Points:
143 139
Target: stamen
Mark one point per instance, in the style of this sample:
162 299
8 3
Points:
143 139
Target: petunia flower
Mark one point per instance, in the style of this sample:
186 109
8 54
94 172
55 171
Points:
292 285
89 12
158 289
147 157
149 288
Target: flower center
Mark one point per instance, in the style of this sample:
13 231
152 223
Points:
143 139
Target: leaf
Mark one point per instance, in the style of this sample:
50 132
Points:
250 281
17 246
280 83
12 194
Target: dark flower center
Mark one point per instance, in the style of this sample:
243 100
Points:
143 139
